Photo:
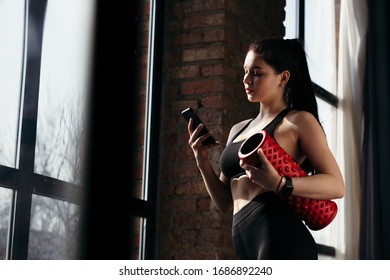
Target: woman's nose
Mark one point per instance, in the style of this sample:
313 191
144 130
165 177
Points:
246 79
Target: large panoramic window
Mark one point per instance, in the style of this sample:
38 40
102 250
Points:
45 52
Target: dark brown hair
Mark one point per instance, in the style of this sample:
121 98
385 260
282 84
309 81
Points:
288 54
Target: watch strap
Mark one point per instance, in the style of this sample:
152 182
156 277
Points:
287 188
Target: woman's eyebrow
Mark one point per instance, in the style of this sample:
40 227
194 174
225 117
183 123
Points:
254 67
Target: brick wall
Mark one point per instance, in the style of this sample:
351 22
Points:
204 47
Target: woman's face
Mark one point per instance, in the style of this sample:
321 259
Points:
262 83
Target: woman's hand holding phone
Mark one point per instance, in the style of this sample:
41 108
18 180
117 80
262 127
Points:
207 139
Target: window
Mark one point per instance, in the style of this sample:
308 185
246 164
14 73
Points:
150 107
314 23
44 87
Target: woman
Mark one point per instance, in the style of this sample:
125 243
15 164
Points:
276 76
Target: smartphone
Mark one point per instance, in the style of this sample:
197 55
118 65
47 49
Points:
188 114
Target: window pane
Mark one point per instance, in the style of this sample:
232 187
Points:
290 22
11 51
55 224
327 114
64 87
5 206
320 42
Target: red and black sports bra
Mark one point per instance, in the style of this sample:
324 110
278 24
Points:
229 160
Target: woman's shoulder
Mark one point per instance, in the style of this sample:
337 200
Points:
303 121
301 118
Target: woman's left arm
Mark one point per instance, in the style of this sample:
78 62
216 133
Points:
328 182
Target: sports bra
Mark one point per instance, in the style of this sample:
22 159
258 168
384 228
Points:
229 160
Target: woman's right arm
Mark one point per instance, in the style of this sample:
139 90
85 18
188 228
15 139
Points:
218 188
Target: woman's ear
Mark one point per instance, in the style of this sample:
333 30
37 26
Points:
284 77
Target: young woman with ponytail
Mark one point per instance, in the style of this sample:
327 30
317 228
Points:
276 76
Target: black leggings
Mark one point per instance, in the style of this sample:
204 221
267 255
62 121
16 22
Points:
266 229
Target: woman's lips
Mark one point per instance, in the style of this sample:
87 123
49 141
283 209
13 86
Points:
249 91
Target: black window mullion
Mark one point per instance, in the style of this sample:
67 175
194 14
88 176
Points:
326 95
56 189
36 14
20 226
301 20
21 206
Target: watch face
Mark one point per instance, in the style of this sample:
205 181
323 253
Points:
288 188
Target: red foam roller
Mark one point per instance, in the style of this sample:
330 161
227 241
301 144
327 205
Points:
316 213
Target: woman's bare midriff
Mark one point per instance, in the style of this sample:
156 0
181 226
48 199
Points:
243 191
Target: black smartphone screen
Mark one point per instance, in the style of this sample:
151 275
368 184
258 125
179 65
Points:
190 113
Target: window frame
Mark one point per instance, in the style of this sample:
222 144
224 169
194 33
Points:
152 130
321 93
95 224
22 179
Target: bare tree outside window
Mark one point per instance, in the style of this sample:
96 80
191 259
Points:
61 132
54 229
5 206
